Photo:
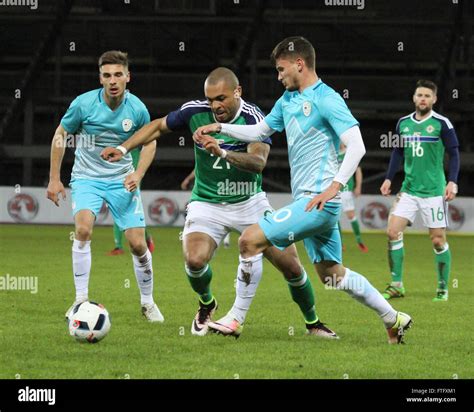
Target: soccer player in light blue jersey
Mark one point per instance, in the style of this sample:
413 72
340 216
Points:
99 118
316 120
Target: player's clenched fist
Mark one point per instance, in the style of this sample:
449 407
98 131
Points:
54 188
111 154
385 188
203 131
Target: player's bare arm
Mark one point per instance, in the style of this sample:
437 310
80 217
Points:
187 181
254 160
58 148
358 182
132 181
148 133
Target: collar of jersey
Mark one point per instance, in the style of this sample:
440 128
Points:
102 100
310 88
236 115
421 121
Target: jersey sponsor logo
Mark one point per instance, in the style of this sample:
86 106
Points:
307 108
23 207
406 130
375 215
164 211
127 125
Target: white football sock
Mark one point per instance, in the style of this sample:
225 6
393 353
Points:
358 287
249 274
81 267
144 274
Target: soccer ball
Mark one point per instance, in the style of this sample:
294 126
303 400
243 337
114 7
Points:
89 322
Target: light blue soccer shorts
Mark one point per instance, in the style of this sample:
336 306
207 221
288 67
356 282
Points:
318 229
126 207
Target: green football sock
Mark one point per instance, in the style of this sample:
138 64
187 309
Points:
302 293
200 281
118 237
396 254
356 229
443 266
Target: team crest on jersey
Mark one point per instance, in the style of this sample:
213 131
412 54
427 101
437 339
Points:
430 129
307 108
127 125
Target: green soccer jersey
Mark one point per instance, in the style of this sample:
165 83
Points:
423 149
136 156
217 181
349 187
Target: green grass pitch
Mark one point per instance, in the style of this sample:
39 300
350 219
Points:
35 343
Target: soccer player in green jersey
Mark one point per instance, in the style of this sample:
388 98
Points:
188 183
353 188
424 137
118 233
227 195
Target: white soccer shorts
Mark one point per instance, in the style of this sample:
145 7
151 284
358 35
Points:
216 220
347 199
434 210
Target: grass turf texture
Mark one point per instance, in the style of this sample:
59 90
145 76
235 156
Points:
35 343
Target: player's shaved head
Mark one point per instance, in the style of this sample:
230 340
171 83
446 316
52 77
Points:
222 74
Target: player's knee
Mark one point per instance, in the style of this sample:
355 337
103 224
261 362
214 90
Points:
138 246
195 260
438 242
293 270
393 234
83 232
246 244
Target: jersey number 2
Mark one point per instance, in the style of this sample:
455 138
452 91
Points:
216 164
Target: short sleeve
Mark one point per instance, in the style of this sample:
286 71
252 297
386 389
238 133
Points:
177 119
145 117
275 119
72 119
337 114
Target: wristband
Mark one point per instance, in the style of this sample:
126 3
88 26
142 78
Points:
223 154
122 149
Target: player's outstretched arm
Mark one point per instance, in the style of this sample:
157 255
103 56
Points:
245 133
132 181
148 133
58 148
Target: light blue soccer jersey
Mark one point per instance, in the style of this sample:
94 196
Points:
314 120
97 126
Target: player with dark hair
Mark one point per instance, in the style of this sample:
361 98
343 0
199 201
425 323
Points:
424 137
227 194
316 119
100 118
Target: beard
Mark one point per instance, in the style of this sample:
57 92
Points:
424 110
